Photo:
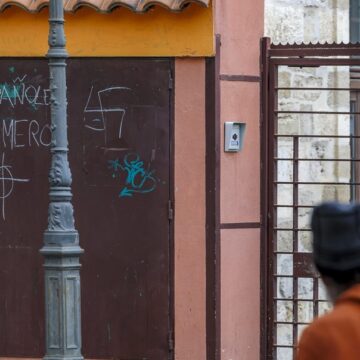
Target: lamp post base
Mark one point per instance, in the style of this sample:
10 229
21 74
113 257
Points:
62 296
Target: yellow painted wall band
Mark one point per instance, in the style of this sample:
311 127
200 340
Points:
120 33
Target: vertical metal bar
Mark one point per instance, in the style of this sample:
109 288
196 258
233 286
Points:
272 215
316 297
356 145
295 235
353 165
171 303
61 241
265 255
213 278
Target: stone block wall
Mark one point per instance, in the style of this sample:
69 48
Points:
307 20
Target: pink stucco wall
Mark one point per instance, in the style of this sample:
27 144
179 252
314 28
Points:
190 281
240 172
240 294
240 24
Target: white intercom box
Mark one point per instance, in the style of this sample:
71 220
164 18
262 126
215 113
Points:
234 136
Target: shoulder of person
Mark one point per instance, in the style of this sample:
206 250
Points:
322 336
317 329
330 321
314 340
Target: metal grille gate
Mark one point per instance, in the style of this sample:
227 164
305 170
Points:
310 153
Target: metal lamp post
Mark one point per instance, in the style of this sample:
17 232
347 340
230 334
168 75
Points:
61 248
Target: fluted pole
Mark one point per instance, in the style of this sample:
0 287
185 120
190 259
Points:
61 248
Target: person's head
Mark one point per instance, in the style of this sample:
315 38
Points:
336 245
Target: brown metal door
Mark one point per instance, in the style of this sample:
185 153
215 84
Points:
119 136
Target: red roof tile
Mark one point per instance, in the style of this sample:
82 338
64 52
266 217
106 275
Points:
104 6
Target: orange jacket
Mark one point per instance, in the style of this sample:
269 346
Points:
336 335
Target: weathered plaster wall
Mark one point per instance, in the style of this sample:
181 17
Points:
307 20
190 277
240 24
120 33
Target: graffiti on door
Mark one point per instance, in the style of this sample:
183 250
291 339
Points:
138 179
